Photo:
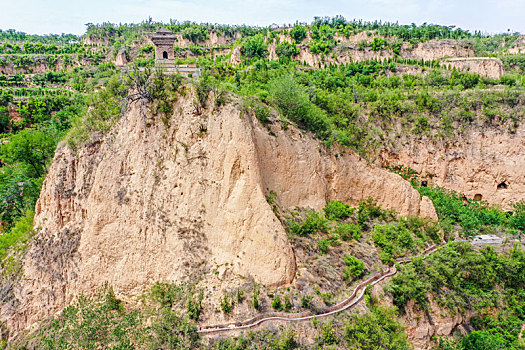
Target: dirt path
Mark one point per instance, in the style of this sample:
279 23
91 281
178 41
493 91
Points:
346 304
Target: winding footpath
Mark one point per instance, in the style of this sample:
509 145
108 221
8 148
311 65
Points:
346 304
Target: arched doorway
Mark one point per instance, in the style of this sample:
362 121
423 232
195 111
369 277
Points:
165 55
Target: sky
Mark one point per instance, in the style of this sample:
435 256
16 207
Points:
70 16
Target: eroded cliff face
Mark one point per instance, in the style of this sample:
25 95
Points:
424 328
485 66
348 51
485 162
171 198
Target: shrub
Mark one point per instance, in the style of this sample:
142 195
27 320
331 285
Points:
354 267
168 294
240 296
379 326
298 33
195 34
93 323
286 50
336 210
226 304
348 231
171 331
313 222
194 306
393 239
517 221
306 301
293 102
255 299
277 303
254 47
20 233
328 335
324 245
287 303
369 210
471 215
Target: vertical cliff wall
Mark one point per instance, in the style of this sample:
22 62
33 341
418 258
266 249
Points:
173 197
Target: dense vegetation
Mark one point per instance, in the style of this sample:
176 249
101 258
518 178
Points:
396 236
459 278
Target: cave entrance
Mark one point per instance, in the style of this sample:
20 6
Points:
165 55
478 197
502 186
424 183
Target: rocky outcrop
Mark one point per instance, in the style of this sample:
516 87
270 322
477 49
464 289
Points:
485 66
121 59
437 49
424 328
348 50
173 198
235 57
485 162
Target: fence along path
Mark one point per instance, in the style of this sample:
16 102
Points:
346 304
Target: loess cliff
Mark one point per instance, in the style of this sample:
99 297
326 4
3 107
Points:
484 164
170 198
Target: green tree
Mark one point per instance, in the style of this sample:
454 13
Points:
4 119
298 33
378 329
31 147
254 47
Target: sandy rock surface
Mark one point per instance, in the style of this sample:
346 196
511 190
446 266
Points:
174 198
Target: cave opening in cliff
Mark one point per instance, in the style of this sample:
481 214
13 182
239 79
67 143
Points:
502 186
478 197
424 183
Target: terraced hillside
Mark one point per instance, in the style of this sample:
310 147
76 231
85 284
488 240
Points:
139 207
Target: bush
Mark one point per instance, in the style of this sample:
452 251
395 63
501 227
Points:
254 47
293 102
379 326
194 306
485 340
298 33
226 304
348 231
168 294
94 323
328 335
313 222
460 277
277 303
470 214
255 299
287 303
369 210
171 331
20 233
324 245
354 267
336 210
306 301
393 239
286 50
517 221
